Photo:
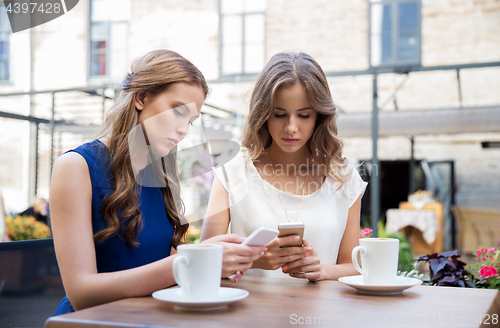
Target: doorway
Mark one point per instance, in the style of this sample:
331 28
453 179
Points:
396 183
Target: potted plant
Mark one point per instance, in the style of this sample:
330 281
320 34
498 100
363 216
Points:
20 268
26 228
486 270
447 270
193 235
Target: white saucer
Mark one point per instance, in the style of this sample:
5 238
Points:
402 283
226 295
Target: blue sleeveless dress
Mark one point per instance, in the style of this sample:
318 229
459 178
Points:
114 254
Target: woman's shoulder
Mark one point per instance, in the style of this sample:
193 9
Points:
70 159
234 170
70 169
93 148
81 158
95 153
352 184
237 162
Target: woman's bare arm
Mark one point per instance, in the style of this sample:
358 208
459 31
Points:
70 206
218 216
344 266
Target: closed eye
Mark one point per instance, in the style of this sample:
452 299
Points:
304 116
279 115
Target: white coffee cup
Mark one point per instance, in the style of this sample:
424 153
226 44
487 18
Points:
379 257
197 270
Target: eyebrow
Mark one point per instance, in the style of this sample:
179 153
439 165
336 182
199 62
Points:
307 108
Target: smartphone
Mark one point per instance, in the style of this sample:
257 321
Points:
261 237
291 228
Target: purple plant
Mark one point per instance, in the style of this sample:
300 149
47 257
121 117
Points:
447 270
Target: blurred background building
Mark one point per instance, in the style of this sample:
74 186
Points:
435 65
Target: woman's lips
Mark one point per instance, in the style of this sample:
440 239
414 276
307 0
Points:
173 141
290 140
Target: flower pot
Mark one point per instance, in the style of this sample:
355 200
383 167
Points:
20 271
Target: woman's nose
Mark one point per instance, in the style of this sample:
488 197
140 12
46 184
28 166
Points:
183 129
291 126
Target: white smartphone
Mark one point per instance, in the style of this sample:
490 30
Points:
261 237
291 228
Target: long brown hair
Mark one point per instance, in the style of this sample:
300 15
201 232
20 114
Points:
285 69
150 75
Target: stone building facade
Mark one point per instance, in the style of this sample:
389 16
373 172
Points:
56 55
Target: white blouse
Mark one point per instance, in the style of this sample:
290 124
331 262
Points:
254 202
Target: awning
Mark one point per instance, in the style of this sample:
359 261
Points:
391 123
422 122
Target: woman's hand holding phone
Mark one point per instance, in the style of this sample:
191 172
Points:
308 267
289 229
276 255
236 257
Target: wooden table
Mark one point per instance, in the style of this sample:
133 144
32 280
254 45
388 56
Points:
420 246
278 302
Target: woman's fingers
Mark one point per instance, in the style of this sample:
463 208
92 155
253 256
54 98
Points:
307 267
275 243
288 240
238 257
305 251
311 276
237 277
284 260
310 272
232 245
235 258
301 265
275 258
228 238
237 267
288 251
232 266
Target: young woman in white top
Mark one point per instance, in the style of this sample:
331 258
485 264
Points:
293 170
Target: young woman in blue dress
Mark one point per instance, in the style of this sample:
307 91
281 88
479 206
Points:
116 237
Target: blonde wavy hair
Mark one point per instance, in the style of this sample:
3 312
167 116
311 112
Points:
150 75
285 69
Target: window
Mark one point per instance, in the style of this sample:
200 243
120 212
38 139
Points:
242 36
5 32
108 37
394 32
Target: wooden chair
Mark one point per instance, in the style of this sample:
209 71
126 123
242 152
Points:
477 228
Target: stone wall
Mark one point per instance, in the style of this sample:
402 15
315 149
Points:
477 169
334 32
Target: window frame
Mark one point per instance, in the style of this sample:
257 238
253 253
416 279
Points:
243 15
108 23
395 33
8 32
